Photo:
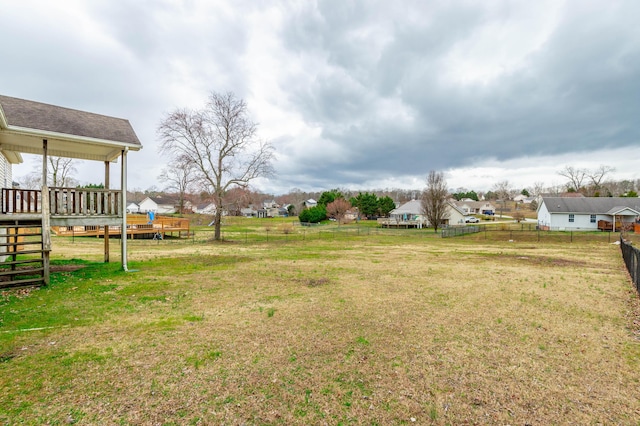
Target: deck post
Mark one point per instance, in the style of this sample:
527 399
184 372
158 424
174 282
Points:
123 207
106 227
46 229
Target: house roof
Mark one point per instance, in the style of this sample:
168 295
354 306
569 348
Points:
410 207
206 205
456 208
69 133
473 204
564 195
161 200
591 205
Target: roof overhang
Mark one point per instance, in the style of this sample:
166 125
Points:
15 140
623 211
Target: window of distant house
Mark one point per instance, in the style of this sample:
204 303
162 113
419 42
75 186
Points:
593 218
572 218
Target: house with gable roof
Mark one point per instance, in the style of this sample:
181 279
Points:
585 213
469 206
410 215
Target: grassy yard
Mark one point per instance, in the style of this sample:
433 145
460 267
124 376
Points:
396 328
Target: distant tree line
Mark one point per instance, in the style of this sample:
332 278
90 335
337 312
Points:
334 205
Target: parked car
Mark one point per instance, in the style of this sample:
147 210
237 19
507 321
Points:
471 219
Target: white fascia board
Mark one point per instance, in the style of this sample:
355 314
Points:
12 157
73 138
618 212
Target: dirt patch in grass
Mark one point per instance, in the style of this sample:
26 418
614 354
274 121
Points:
314 282
65 268
552 261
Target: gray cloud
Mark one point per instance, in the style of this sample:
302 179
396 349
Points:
350 92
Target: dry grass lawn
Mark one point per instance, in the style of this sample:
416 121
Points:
363 331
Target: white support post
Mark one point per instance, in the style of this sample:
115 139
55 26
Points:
123 207
46 228
107 202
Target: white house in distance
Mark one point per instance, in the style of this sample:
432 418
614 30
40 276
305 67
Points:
163 205
133 208
410 215
468 206
585 213
206 208
310 203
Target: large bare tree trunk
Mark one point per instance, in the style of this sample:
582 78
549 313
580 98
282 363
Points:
220 142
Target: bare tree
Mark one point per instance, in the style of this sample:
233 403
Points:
59 173
434 199
31 180
220 141
337 209
538 188
597 177
237 198
503 191
179 178
576 177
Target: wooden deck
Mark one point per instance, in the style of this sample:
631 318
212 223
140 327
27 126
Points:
138 226
605 225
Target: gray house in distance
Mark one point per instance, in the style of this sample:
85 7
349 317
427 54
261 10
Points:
48 130
584 213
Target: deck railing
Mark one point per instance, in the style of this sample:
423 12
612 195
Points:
21 201
64 201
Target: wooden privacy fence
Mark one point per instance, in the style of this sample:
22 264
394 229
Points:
631 256
64 201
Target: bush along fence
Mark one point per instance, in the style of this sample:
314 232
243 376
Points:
631 256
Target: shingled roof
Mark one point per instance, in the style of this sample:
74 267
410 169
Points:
69 132
590 205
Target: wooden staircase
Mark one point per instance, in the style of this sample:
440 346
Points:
24 261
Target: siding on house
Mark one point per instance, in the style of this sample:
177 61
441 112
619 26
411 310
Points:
583 213
5 173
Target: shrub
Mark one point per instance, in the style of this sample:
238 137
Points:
313 215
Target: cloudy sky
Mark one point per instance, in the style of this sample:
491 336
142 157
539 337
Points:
353 94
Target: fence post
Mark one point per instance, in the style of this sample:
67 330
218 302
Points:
637 275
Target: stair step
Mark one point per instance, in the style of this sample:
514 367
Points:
31 282
14 235
23 252
22 261
30 271
21 243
